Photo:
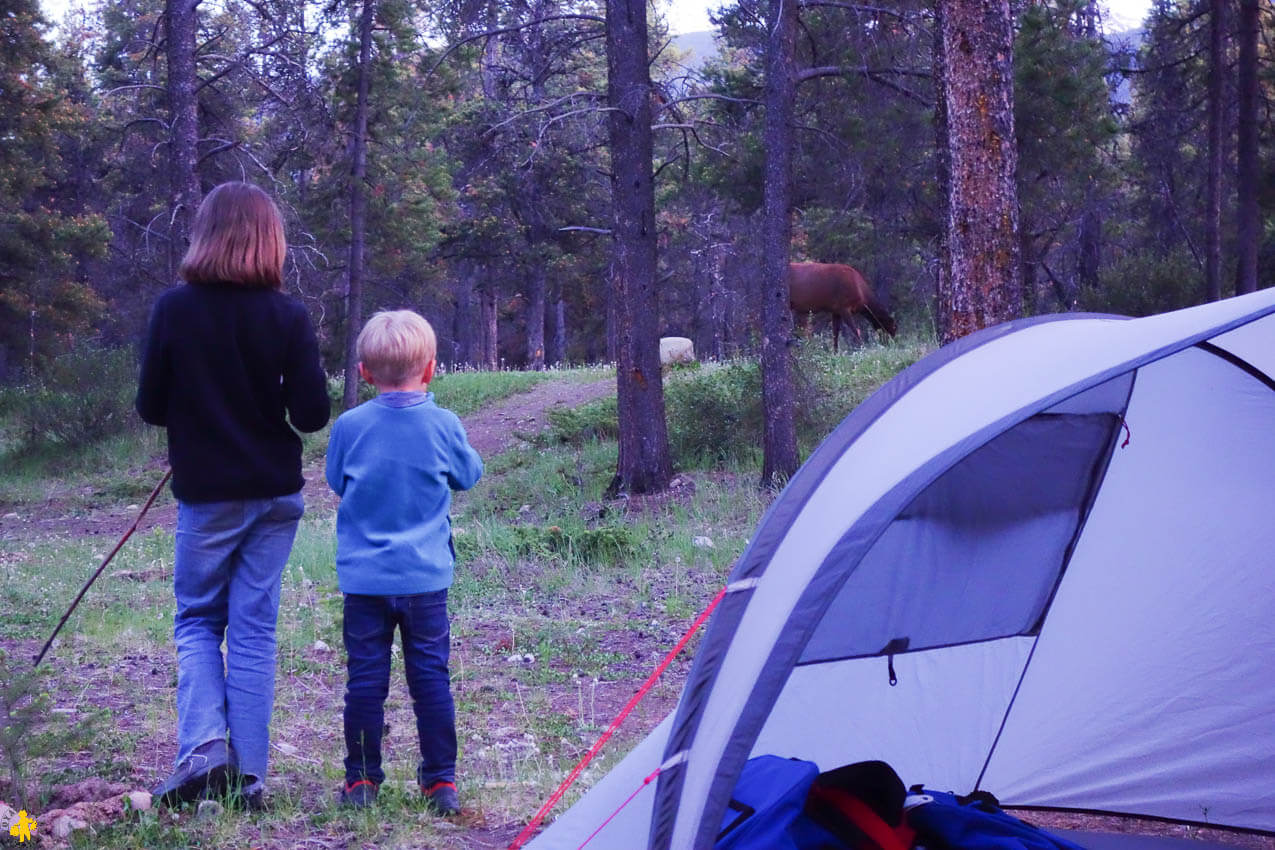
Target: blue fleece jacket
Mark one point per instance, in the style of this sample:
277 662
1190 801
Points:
394 461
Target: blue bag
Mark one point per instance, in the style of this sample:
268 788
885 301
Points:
768 798
945 822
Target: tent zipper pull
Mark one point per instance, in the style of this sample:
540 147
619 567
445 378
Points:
896 645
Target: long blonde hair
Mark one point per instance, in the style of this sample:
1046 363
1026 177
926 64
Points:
237 238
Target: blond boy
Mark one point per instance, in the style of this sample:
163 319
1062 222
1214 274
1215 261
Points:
394 461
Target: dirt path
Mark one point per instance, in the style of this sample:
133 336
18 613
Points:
496 428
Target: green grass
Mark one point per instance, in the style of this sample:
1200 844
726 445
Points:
465 392
562 604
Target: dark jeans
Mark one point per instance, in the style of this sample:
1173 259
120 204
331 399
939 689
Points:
369 632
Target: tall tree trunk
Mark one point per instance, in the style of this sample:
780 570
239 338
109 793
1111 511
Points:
1029 264
779 441
1213 188
557 344
464 321
182 25
983 284
943 177
489 328
1090 261
536 317
358 208
1247 175
644 465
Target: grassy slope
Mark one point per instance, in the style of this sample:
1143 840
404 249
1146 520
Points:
561 607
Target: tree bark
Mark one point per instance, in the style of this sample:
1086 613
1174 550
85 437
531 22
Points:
182 25
464 319
536 317
1090 260
358 208
779 442
644 465
982 285
558 352
1213 187
942 176
489 328
1248 231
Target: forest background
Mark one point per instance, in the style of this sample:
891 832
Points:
487 169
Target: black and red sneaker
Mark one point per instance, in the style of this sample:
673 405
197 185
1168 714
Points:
442 798
359 794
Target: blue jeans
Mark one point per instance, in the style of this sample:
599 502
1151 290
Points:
228 563
369 632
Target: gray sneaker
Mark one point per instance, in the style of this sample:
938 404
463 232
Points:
442 798
206 772
358 794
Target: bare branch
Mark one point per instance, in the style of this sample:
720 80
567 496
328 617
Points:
589 95
490 33
854 7
604 231
224 146
670 104
118 89
874 74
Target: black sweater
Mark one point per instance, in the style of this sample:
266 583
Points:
222 367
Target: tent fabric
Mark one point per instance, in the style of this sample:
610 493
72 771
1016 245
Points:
1057 532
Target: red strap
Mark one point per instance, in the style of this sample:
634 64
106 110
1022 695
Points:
442 783
531 828
861 815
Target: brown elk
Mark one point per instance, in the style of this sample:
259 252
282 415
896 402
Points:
838 290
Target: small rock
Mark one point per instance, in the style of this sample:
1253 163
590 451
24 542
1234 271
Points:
64 825
7 818
209 809
525 509
132 507
321 646
702 542
11 516
529 659
139 801
286 748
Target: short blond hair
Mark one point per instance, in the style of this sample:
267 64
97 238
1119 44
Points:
237 238
395 346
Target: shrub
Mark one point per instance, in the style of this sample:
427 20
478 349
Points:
605 544
597 420
81 396
714 415
30 730
1145 284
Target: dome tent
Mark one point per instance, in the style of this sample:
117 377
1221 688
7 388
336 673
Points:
1038 562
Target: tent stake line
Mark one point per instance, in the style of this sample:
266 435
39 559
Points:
531 828
120 545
